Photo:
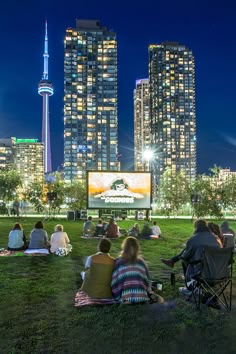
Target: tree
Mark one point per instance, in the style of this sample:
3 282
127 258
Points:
75 194
228 193
36 194
47 195
9 182
207 201
215 171
56 189
174 190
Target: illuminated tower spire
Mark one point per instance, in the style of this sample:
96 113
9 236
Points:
45 89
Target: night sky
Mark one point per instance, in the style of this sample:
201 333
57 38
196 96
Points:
206 27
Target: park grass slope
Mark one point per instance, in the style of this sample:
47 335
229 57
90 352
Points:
37 296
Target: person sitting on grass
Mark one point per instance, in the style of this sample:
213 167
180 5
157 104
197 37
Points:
99 230
112 230
16 239
146 232
96 286
60 243
39 237
88 228
134 231
130 278
156 231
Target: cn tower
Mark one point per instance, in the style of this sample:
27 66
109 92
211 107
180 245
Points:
45 89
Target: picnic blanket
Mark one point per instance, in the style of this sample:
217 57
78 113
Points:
92 237
82 299
6 253
37 251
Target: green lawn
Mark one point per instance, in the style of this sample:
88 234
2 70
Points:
37 294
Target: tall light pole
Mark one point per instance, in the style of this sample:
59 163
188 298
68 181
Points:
148 156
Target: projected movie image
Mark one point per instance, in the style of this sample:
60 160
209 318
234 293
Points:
119 190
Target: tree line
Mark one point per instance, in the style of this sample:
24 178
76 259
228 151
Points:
42 195
207 195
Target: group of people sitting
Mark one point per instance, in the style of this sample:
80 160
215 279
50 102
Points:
121 280
112 230
148 231
38 240
102 228
126 278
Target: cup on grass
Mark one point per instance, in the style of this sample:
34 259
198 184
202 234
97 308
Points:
156 285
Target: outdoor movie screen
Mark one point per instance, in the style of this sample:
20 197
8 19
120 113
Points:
119 190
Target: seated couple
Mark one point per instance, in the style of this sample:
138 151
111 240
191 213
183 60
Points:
123 280
205 235
150 232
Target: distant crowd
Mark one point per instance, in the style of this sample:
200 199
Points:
111 229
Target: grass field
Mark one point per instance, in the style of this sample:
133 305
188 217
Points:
37 295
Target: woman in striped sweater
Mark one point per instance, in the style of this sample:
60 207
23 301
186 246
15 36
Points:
130 278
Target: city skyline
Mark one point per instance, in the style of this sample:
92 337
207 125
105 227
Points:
205 27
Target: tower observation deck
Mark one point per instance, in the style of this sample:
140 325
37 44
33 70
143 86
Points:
45 89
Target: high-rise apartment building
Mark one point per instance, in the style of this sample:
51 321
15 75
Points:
172 108
90 100
6 153
29 160
142 127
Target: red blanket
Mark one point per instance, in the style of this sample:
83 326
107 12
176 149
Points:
82 299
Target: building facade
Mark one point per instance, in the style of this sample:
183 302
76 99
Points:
29 160
142 127
6 153
172 108
90 100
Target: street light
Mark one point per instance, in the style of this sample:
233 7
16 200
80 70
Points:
148 155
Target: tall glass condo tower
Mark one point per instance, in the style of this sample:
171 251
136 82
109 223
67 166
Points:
172 108
90 100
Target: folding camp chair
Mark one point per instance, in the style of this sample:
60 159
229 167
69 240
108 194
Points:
213 282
